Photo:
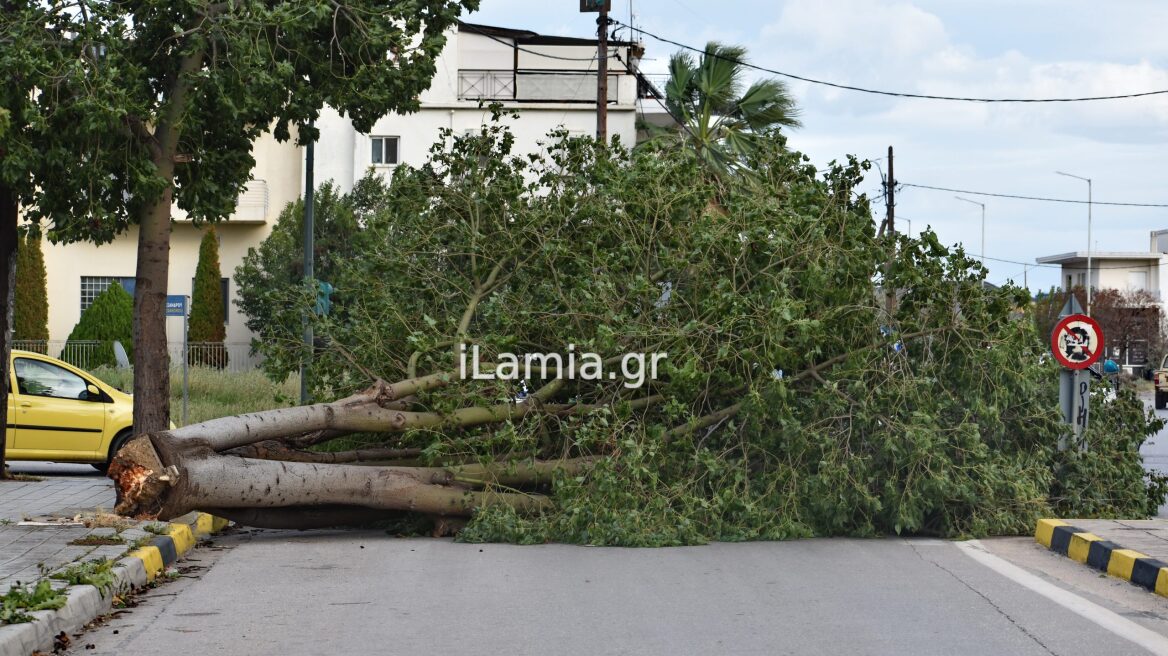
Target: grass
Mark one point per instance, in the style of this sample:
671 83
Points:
213 393
20 600
99 573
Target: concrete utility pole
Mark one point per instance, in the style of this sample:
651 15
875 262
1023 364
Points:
602 76
982 225
1088 181
308 273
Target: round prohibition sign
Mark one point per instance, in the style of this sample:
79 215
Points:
1077 341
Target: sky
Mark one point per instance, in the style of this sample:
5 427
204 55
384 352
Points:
982 48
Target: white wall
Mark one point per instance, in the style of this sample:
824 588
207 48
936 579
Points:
277 164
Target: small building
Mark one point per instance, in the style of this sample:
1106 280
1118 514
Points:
1142 272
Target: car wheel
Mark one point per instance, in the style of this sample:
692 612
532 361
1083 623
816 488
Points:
1161 400
118 442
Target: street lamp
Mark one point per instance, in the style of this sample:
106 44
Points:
1088 181
982 225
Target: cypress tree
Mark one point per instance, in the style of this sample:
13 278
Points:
30 305
111 317
206 322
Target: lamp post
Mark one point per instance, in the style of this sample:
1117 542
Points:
1088 181
982 225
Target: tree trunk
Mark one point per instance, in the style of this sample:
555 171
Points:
232 468
151 359
8 245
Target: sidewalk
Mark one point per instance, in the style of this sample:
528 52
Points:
72 509
1135 550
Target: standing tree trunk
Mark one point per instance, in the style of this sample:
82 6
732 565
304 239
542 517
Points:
8 245
151 360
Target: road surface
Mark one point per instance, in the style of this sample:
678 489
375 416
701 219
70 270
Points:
317 592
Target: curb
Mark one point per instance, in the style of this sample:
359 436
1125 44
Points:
85 602
1103 555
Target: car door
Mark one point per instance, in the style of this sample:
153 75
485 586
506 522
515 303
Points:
55 419
10 419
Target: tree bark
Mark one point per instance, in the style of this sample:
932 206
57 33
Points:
151 358
8 245
240 467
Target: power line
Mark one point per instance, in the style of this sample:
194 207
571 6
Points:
897 94
1039 198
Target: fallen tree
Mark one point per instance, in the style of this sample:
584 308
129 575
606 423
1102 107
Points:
790 397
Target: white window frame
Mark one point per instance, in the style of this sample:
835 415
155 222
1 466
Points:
376 152
93 286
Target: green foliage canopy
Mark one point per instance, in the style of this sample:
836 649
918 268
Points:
790 402
274 272
122 87
722 120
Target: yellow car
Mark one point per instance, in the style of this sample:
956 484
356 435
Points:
59 412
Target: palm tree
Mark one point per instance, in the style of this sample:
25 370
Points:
718 120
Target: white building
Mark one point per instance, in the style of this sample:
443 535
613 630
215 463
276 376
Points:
1138 271
550 81
1123 270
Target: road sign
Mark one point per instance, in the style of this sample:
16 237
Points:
1077 341
176 306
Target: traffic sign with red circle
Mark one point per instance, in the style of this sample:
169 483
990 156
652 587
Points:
1077 341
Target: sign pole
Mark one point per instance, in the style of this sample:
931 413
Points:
177 306
1077 343
186 359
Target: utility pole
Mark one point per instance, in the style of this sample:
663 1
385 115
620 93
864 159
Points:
308 273
890 207
602 77
890 195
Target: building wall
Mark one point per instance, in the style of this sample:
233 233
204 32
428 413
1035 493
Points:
343 155
1109 273
277 166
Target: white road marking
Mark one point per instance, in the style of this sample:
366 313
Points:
1120 626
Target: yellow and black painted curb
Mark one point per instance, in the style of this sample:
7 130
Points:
1103 555
177 539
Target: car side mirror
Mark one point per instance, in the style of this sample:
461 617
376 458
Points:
93 394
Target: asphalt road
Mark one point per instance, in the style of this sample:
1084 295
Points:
323 592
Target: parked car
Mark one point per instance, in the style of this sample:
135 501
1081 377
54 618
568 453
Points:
61 413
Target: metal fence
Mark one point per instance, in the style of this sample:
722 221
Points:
87 354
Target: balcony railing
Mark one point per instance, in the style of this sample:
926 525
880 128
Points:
533 86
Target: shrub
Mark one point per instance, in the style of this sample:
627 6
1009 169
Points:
30 307
206 320
109 318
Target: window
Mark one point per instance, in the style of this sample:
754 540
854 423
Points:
93 286
224 289
37 378
384 150
1137 280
